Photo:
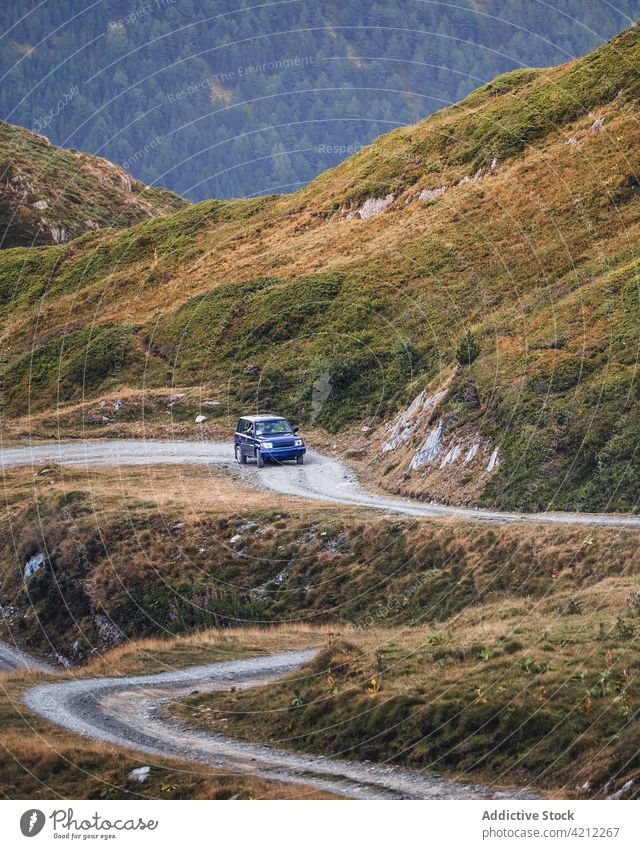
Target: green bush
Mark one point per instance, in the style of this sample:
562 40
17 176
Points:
467 349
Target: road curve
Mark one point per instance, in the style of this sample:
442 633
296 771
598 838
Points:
14 658
321 478
129 712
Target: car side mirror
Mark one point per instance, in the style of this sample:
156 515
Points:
295 429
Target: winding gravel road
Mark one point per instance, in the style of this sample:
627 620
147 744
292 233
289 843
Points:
130 712
321 478
14 658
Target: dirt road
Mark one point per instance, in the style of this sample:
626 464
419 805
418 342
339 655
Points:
130 712
321 478
13 658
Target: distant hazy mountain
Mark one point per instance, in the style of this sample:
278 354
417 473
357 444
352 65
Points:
217 99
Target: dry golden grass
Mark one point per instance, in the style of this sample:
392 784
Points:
193 490
158 654
560 656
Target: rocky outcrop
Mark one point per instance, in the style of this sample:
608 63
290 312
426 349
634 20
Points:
430 450
434 456
410 420
432 194
372 207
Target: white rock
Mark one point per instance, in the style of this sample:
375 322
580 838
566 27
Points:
125 181
471 453
371 207
400 438
572 140
140 774
432 194
59 235
32 565
409 421
451 456
200 419
622 790
236 538
493 461
429 450
107 629
597 124
40 204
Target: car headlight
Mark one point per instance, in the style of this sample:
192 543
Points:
266 444
298 442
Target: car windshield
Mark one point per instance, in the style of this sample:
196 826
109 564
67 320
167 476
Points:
274 427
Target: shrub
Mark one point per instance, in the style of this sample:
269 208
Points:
467 349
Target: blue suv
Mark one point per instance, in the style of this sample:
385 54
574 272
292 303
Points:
267 438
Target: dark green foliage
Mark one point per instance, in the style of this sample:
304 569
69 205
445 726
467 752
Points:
188 607
65 366
276 339
230 99
467 349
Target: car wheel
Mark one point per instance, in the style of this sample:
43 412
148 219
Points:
300 459
240 457
259 458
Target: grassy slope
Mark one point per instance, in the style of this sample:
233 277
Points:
542 694
537 256
130 547
513 642
82 192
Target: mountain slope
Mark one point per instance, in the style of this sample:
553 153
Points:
514 213
49 195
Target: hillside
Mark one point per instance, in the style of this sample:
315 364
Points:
49 195
513 213
238 98
501 653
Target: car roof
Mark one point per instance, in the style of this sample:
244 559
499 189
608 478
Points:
263 418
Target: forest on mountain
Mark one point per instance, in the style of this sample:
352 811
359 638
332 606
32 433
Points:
220 99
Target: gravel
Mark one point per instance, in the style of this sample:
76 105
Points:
13 658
